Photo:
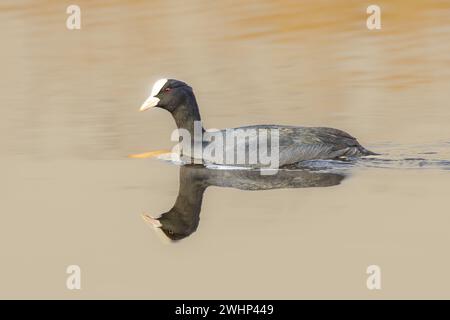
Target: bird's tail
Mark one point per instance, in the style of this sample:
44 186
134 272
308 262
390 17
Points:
365 152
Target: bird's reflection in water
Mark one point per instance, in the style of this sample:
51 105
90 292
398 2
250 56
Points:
183 219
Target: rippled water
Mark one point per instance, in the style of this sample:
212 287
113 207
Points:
69 119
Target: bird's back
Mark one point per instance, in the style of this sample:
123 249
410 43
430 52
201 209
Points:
294 143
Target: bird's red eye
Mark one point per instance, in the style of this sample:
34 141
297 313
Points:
167 89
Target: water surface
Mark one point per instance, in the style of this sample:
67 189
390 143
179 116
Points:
69 102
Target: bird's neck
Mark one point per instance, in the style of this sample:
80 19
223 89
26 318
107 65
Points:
187 207
193 184
189 201
187 116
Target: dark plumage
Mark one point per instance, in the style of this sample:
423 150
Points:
295 143
183 218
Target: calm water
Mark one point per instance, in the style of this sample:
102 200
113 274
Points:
69 102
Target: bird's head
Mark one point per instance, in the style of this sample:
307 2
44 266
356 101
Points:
173 226
168 94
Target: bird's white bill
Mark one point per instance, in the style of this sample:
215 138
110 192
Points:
156 225
149 103
151 221
152 101
157 86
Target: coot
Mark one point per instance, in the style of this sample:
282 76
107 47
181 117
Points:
295 143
